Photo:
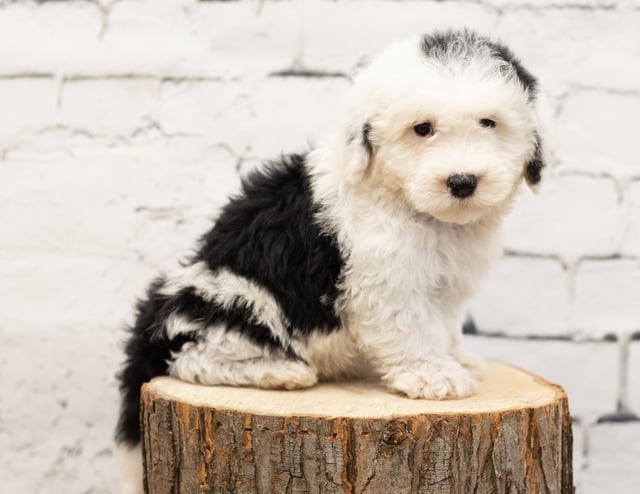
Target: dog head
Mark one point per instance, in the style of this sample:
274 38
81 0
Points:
446 123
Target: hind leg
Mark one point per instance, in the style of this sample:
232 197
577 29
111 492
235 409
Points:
227 357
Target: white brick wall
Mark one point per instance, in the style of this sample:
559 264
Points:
613 459
538 304
631 232
125 124
573 216
606 296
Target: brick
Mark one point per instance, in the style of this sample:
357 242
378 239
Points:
134 196
209 39
606 297
71 288
352 39
61 411
290 115
633 373
263 118
220 111
170 39
552 4
613 459
586 370
109 107
48 37
572 216
558 46
523 296
588 135
142 38
578 429
27 104
546 111
631 239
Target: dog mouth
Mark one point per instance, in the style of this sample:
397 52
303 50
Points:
458 198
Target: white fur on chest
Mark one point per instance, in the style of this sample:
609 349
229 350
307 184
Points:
398 252
406 281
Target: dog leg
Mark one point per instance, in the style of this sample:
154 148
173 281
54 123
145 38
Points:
411 364
411 350
227 357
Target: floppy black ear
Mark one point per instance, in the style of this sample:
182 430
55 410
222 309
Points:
533 169
360 152
366 138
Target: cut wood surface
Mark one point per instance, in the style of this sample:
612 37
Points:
512 436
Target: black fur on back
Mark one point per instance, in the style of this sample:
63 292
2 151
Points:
267 234
146 357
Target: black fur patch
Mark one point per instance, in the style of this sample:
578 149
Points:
533 172
461 45
440 43
188 304
146 353
267 234
366 139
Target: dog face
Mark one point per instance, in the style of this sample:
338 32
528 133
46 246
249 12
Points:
447 124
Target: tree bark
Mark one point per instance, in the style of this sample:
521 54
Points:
512 436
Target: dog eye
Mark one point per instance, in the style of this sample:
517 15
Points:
487 122
424 129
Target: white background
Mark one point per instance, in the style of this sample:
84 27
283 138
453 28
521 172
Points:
124 125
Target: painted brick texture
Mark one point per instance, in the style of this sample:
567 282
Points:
125 125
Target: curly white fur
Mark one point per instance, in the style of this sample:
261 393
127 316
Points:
416 253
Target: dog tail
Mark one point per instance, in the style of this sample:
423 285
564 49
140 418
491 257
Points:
148 351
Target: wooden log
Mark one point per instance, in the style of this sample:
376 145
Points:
513 436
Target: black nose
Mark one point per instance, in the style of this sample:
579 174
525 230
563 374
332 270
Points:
462 185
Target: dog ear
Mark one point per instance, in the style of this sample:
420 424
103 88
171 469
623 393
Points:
533 169
360 155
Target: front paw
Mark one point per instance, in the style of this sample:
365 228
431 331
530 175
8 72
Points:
434 379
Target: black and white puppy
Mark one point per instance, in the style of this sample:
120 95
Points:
360 256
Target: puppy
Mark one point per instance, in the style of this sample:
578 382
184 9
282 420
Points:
360 256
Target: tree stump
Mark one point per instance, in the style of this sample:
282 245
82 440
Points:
513 436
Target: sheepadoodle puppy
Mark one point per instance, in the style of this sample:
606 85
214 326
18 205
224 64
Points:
360 256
